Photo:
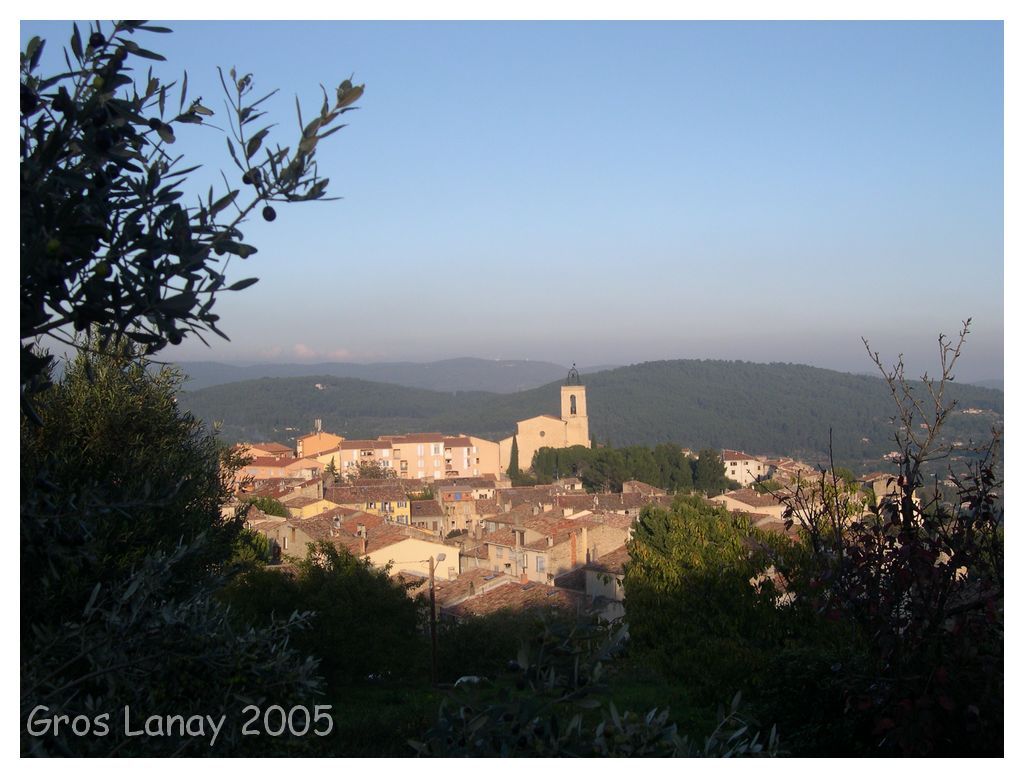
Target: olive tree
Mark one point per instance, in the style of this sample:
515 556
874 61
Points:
107 240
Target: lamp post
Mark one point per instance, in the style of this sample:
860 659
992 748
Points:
433 623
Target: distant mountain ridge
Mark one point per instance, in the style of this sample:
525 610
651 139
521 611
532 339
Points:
448 375
780 409
989 383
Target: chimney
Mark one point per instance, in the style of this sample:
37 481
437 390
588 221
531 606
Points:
361 530
337 522
318 425
572 550
362 545
524 578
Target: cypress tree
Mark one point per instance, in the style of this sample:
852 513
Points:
514 472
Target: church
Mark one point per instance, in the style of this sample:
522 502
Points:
571 429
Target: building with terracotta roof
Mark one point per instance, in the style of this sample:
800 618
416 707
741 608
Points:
279 467
301 507
427 514
451 592
543 546
744 468
317 443
518 597
639 487
386 498
364 535
271 450
747 500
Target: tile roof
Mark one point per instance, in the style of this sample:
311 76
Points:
353 495
575 579
298 501
414 437
640 487
274 448
376 445
421 509
478 552
520 597
271 462
471 583
613 562
486 507
752 498
728 453
463 483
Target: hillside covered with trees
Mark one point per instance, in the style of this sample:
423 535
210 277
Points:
782 409
446 375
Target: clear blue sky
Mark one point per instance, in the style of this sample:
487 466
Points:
619 192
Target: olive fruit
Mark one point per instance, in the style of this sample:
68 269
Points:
269 214
96 40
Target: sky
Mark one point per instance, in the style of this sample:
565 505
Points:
611 193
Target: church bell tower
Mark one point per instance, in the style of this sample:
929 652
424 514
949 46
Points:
574 410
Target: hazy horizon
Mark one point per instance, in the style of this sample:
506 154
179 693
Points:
606 365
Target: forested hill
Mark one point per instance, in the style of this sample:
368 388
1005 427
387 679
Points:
781 409
446 375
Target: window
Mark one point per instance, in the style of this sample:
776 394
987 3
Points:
499 552
542 433
404 466
572 405
540 563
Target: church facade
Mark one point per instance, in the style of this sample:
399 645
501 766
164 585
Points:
569 429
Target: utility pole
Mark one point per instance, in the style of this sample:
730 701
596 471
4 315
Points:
433 629
433 623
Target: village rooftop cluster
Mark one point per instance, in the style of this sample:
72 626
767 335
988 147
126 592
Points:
447 503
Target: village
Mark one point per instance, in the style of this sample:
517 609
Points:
440 511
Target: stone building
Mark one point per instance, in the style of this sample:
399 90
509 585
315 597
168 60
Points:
570 429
